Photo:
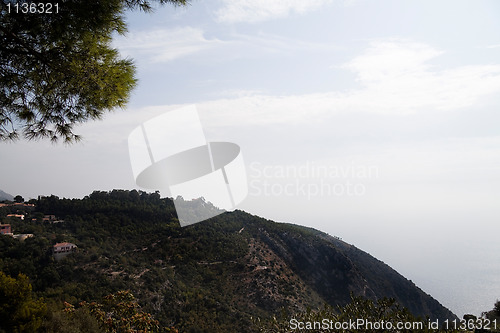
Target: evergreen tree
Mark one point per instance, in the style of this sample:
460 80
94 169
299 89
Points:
120 313
58 69
19 312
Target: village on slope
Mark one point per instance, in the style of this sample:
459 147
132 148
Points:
19 210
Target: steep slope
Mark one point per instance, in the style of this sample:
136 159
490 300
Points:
334 269
392 284
215 275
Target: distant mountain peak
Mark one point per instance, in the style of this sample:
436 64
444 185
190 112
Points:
5 196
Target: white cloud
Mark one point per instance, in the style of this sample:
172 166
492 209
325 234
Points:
391 59
164 45
394 77
261 10
264 44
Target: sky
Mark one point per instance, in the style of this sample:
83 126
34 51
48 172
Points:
375 121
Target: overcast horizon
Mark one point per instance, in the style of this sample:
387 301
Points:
373 121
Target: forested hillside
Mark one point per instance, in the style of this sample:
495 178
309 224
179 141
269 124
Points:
218 275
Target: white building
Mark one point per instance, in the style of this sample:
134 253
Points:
61 250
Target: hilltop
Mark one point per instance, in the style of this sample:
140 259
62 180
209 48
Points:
217 274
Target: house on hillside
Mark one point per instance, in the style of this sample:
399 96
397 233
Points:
61 250
19 216
49 218
22 237
5 229
22 204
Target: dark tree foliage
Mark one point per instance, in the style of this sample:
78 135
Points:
58 69
213 276
119 312
19 312
493 315
361 315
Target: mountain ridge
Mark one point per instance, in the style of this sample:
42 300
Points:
359 267
216 275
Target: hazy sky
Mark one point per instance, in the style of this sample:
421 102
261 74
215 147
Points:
376 121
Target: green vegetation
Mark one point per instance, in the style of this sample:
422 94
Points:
215 276
384 316
118 313
58 69
18 310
